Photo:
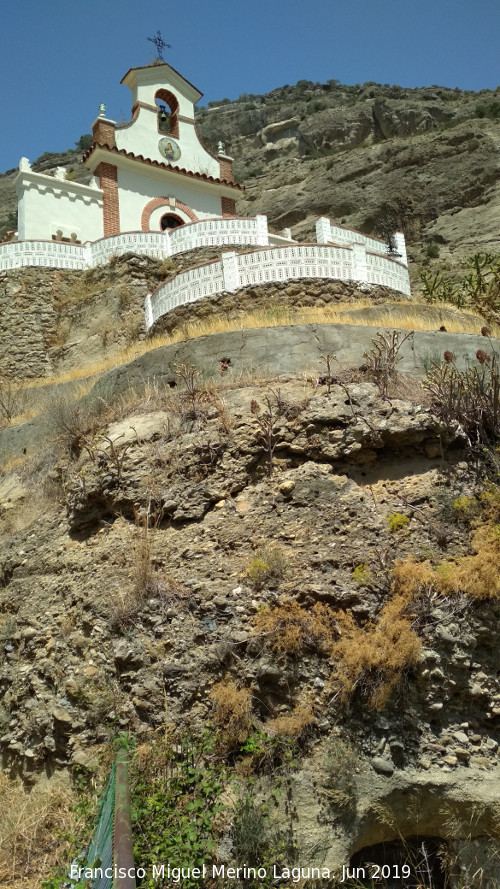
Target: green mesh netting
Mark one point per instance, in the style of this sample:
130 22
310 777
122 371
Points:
100 850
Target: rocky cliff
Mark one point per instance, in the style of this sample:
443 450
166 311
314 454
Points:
225 554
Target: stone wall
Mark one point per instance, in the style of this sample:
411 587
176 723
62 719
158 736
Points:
28 321
305 293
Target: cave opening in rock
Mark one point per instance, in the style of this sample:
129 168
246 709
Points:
411 863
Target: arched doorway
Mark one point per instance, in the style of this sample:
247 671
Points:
170 220
165 207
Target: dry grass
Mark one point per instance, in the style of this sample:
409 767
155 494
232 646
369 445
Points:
268 567
375 658
232 713
32 830
292 725
412 319
290 628
477 575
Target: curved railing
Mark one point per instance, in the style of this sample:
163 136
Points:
159 245
235 271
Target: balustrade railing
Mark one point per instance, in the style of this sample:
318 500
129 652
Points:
159 245
344 262
235 271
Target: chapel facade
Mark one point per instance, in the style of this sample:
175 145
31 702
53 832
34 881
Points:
150 174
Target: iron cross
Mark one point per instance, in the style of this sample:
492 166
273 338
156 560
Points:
160 44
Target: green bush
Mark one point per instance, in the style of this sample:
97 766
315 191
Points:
491 110
396 521
267 568
176 792
361 574
432 251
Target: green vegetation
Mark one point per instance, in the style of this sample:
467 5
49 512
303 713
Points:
176 789
491 110
259 843
479 288
361 574
396 521
268 567
84 142
432 251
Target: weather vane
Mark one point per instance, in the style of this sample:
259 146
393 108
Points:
160 44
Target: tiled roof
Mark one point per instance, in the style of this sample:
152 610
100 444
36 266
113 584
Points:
146 160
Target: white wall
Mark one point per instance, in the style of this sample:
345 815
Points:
47 205
142 137
136 190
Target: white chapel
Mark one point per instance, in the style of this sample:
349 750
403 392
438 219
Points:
150 174
155 190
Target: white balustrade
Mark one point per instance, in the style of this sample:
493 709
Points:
235 271
52 254
328 232
159 245
353 261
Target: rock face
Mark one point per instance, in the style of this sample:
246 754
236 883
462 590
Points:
134 538
133 595
368 156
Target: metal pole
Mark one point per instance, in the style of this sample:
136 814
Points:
123 851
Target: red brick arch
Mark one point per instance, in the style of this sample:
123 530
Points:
169 204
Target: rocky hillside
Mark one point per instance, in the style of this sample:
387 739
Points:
265 559
371 156
288 564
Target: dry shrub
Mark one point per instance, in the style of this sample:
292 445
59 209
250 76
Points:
293 725
147 582
477 575
292 628
375 658
411 578
268 567
232 713
32 830
143 570
341 764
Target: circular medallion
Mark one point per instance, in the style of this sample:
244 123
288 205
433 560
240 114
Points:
169 149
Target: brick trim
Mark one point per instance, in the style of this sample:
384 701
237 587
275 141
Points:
169 204
103 132
228 206
108 180
226 169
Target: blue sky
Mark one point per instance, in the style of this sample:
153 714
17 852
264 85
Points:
59 60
